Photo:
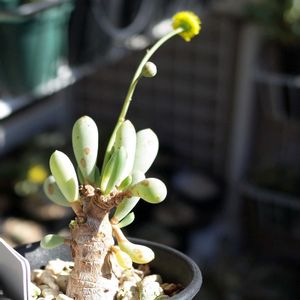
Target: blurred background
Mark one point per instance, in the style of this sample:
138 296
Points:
225 106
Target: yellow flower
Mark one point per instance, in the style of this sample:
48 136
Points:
37 174
190 23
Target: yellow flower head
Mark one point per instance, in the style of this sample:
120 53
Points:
37 174
190 23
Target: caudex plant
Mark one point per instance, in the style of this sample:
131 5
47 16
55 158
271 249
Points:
103 199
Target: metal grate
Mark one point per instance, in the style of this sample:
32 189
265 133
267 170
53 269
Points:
278 124
271 194
272 221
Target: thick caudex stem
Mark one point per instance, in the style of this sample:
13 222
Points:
92 276
95 273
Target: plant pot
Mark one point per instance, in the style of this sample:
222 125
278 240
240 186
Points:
171 264
33 43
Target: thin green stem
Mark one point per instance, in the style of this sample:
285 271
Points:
132 87
139 70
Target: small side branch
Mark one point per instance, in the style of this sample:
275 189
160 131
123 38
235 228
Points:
106 203
77 208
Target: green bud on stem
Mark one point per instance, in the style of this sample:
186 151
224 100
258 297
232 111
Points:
149 69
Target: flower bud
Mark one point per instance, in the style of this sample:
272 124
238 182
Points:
149 69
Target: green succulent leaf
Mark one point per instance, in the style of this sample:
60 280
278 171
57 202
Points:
114 170
85 146
146 150
65 176
79 175
110 148
138 253
126 206
51 241
97 175
125 183
126 137
123 259
151 190
127 220
53 192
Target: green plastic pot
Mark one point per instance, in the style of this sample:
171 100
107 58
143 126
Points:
9 4
33 40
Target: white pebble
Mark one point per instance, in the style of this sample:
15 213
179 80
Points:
55 266
63 297
149 290
48 278
62 282
34 290
152 278
48 293
36 274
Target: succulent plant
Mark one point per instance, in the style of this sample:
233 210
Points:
99 248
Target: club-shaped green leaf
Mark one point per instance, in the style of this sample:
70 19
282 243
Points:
125 183
53 192
138 253
85 146
65 176
51 241
114 170
79 175
127 220
146 150
110 148
122 258
97 175
126 137
126 206
151 190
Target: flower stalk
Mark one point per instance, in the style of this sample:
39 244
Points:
133 84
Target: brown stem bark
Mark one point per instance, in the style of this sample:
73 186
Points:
94 276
